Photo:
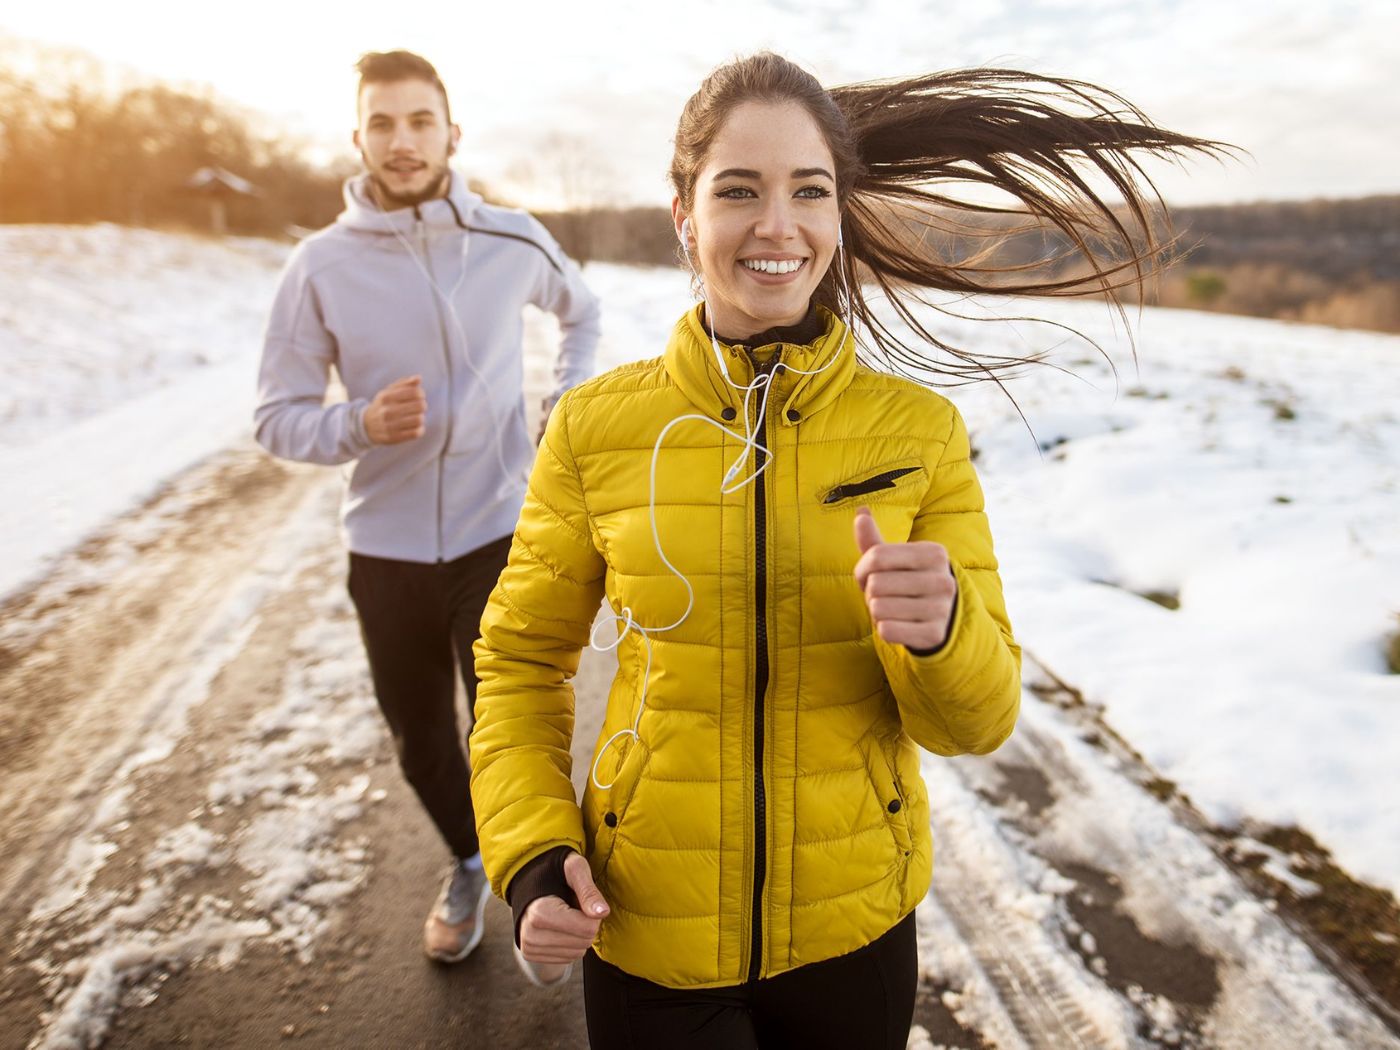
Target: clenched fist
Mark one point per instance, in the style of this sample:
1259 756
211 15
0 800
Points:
554 934
397 412
909 587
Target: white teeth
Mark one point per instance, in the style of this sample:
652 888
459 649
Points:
773 265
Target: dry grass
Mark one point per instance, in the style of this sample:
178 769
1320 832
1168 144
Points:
1360 922
1278 291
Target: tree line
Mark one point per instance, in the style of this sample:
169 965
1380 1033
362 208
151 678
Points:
75 147
1319 261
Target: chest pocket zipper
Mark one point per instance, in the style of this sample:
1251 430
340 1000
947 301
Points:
880 481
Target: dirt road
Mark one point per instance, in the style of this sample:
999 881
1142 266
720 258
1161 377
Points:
206 841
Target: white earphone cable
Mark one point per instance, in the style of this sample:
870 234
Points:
448 298
763 382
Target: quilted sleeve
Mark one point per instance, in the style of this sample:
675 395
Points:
964 697
535 625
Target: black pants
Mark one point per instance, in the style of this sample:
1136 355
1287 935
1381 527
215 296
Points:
860 1001
419 622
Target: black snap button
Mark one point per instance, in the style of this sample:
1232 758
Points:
793 415
728 414
893 807
610 820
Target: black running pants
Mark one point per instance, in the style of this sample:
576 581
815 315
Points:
419 622
860 1001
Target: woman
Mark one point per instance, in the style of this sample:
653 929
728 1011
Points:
801 574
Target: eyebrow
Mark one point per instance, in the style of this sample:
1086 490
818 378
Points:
415 113
749 173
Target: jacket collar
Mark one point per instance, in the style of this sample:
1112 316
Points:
691 363
363 214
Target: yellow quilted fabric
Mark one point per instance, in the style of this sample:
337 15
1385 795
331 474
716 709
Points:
719 864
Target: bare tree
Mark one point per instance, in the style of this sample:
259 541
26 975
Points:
569 169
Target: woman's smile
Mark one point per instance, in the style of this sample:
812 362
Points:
773 271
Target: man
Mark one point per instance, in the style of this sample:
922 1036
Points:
415 295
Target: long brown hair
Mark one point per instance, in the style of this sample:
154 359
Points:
899 146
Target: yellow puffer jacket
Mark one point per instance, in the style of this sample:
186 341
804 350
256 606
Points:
770 812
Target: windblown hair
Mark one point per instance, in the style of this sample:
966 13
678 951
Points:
390 67
900 146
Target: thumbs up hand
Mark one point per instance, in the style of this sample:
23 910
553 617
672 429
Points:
909 587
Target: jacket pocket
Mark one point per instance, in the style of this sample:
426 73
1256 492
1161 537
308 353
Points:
875 483
614 802
890 794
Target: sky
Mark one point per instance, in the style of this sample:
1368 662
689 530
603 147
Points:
551 91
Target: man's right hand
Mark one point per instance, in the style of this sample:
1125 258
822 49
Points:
397 412
551 931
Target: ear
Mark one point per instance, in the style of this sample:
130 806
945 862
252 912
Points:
678 216
355 138
455 139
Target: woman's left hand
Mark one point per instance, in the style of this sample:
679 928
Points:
909 587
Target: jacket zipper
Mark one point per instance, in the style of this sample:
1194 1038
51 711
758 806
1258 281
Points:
760 686
447 357
873 484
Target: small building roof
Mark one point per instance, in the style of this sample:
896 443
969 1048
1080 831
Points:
217 180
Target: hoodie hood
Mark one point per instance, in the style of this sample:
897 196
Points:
363 214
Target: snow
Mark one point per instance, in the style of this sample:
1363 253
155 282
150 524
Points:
1174 887
1265 695
1248 469
129 355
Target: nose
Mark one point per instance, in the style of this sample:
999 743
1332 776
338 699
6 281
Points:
777 221
402 138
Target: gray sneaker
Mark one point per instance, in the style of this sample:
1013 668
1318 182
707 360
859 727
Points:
456 923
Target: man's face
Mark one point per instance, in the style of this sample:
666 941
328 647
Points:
404 139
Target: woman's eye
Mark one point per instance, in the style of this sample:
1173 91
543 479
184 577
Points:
735 193
814 192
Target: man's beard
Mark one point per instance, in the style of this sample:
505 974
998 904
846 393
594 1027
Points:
388 199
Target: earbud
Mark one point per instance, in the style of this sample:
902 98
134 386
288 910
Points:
838 235
685 236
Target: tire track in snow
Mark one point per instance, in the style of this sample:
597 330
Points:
136 716
1015 855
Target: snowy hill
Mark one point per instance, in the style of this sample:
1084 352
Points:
128 355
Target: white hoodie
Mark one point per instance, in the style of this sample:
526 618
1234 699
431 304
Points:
370 295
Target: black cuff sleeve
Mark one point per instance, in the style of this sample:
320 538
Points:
541 877
952 614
